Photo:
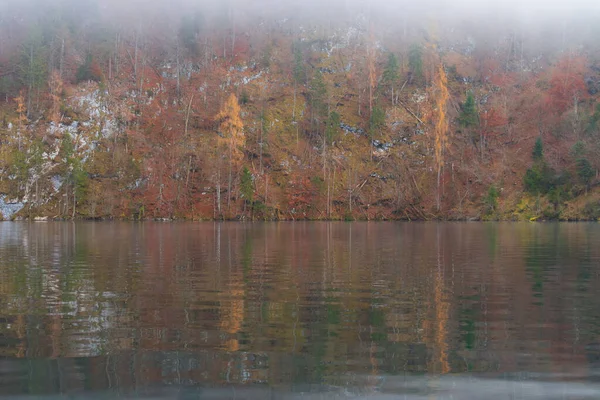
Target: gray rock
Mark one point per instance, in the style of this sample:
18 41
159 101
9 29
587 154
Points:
8 208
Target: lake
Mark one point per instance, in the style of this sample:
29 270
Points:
299 310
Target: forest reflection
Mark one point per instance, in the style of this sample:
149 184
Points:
96 306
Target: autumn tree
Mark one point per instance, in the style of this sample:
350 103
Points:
489 121
441 126
567 84
21 118
56 88
232 130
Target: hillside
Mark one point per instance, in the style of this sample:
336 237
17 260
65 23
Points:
123 110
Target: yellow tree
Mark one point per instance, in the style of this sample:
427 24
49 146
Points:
441 125
22 111
232 131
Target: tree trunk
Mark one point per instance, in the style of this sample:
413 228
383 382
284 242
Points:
260 145
230 177
178 79
219 191
439 174
62 58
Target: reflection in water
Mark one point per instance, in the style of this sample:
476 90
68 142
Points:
285 308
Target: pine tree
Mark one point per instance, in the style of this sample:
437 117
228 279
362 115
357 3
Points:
318 97
538 150
468 116
390 74
376 121
415 62
585 171
333 127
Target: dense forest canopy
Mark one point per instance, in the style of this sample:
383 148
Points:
292 110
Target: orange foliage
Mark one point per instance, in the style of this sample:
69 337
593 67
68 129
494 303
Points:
441 126
232 126
56 87
490 120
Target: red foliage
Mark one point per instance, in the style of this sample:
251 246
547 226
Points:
491 120
567 85
301 195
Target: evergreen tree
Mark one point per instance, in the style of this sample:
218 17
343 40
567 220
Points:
246 186
299 72
538 150
333 127
89 70
491 200
189 31
318 96
585 171
390 73
377 120
468 116
415 62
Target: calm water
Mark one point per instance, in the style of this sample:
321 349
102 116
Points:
299 310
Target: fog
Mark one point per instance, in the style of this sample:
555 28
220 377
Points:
539 24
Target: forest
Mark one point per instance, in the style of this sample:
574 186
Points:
289 110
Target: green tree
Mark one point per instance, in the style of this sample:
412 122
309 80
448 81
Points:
468 117
538 150
594 121
415 62
299 77
390 74
8 86
76 174
491 199
376 121
318 97
32 68
578 149
585 171
89 70
190 28
299 71
333 127
540 178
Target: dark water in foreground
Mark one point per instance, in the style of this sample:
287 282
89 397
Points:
299 311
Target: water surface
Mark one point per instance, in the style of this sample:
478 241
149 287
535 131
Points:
299 310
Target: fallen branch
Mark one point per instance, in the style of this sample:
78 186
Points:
410 112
